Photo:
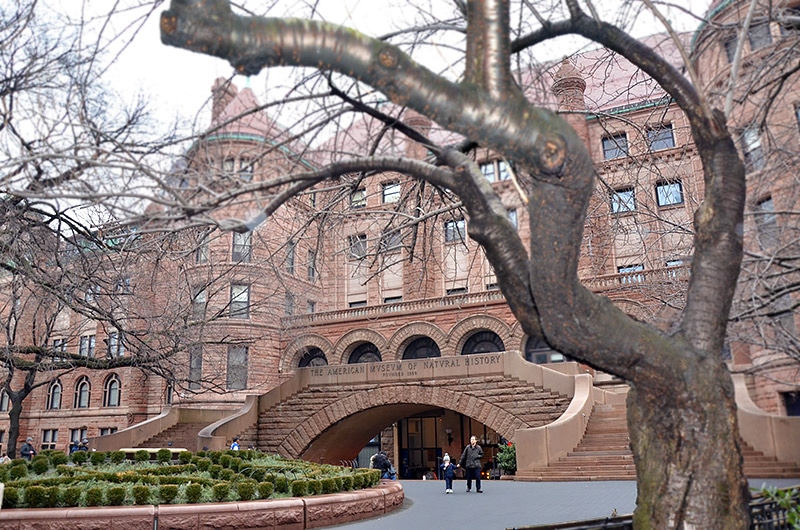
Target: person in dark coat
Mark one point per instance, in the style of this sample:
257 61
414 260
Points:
448 473
27 451
471 461
382 462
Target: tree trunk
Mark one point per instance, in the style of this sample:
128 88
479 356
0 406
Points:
13 430
686 449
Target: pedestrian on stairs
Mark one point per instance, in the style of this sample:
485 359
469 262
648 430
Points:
235 444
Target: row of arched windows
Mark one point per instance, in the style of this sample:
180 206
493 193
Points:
484 341
82 393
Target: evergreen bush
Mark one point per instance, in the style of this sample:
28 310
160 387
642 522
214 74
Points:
98 458
72 496
116 495
94 495
40 464
225 461
79 457
347 482
328 485
10 497
117 457
35 496
214 470
57 458
281 484
221 491
167 493
185 457
18 471
194 492
246 489
265 490
299 488
164 456
226 475
141 494
141 456
203 464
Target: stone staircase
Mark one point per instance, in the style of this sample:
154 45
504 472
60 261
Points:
605 454
532 406
180 435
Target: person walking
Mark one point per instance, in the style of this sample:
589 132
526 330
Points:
448 473
235 444
471 461
27 451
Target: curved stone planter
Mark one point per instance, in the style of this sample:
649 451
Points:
295 513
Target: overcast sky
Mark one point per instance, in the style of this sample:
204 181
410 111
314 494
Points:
178 81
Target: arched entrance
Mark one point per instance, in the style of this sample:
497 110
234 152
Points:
313 357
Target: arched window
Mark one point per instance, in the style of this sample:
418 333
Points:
483 342
313 357
365 353
422 348
537 351
54 395
111 391
83 392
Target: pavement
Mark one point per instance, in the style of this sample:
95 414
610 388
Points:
506 504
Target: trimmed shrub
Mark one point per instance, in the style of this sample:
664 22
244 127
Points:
194 492
185 457
339 483
164 456
299 488
40 464
18 471
141 494
57 458
227 474
221 491
314 487
214 456
117 457
72 496
225 461
203 464
214 470
79 457
265 490
53 495
10 497
94 495
281 484
256 473
358 481
246 489
116 495
328 485
168 492
141 456
347 482
237 464
98 458
36 497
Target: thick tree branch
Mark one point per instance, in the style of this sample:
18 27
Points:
488 58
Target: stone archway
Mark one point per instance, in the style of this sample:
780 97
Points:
351 340
405 335
462 331
296 349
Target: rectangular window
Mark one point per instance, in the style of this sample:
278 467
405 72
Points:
358 199
660 137
391 241
4 401
730 47
246 169
455 231
504 169
291 252
49 439
311 266
311 307
487 168
199 301
123 286
759 36
240 301
288 306
195 366
105 431
629 272
237 368
201 252
228 166
359 303
60 345
390 192
766 223
242 244
623 200
512 216
456 290
87 346
393 300
76 435
669 193
751 147
615 146
358 246
116 344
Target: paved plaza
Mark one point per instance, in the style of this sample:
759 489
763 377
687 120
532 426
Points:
507 504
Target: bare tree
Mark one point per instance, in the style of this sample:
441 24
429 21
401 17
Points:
681 408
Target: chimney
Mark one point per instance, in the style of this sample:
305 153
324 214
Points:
422 124
222 93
